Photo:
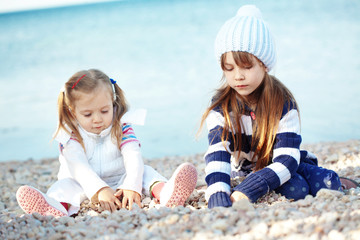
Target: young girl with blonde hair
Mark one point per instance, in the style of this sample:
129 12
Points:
100 156
254 124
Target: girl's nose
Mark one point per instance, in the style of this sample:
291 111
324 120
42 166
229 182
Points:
239 75
97 118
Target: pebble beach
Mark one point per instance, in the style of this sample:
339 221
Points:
328 215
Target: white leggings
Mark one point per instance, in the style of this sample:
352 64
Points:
68 190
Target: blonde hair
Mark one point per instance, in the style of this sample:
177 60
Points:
269 97
87 81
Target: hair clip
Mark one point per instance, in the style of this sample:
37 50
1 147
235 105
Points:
113 87
78 81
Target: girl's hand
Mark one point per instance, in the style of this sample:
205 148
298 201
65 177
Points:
128 197
236 196
107 199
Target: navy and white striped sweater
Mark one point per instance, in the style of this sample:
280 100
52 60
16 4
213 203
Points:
285 161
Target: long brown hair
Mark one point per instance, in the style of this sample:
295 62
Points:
269 97
89 81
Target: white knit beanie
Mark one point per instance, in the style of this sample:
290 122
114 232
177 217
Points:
247 32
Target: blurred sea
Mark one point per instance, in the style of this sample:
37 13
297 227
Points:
161 54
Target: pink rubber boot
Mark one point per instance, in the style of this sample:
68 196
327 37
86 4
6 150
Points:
33 200
180 186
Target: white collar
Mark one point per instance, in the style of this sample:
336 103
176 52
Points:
102 134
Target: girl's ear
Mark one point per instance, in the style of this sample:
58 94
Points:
263 65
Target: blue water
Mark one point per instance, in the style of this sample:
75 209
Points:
161 54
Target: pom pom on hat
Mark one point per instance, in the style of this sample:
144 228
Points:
249 10
247 32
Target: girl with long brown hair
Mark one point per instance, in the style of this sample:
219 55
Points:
100 157
254 124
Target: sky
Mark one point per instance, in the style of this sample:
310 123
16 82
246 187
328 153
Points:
21 5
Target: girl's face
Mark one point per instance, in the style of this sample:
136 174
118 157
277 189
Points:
245 79
94 111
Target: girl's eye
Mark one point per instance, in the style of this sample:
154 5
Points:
229 69
105 111
87 115
247 66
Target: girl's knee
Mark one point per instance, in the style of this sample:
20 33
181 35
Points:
319 178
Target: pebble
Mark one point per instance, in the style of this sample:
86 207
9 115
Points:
220 224
243 204
330 215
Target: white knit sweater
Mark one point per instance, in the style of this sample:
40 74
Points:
102 164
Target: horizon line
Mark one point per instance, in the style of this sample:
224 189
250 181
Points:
13 6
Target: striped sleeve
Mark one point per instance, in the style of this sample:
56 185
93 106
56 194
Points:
128 135
286 158
218 167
